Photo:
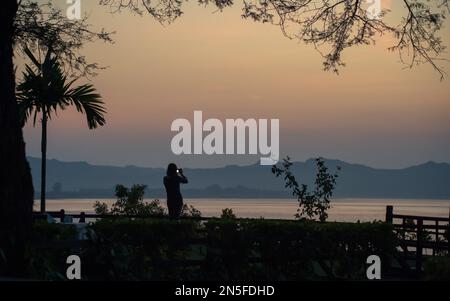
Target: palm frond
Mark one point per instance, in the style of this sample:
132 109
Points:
46 88
32 57
86 100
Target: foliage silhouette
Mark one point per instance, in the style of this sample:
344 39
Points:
338 26
190 211
45 89
227 213
29 24
437 268
38 25
130 201
331 26
311 203
229 249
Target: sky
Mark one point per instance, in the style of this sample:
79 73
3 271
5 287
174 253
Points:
375 112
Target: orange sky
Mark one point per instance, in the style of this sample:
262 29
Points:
375 112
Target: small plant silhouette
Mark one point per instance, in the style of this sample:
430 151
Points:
130 201
228 213
311 203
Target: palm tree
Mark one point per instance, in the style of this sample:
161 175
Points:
43 90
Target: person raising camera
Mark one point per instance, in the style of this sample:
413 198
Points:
172 180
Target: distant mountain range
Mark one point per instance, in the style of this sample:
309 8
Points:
82 180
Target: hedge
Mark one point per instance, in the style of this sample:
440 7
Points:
161 249
43 259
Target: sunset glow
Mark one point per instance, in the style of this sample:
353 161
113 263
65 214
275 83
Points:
375 112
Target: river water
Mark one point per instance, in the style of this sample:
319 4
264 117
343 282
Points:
350 210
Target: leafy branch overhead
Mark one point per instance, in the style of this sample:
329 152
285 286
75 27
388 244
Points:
331 26
38 25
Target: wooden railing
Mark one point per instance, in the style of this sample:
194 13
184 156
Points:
82 216
419 235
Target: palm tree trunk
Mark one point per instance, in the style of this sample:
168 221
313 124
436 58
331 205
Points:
16 187
43 159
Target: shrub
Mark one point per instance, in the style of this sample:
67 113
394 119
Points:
140 249
437 268
230 249
227 213
131 202
190 211
44 260
289 250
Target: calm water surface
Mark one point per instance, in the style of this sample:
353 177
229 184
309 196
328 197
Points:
350 210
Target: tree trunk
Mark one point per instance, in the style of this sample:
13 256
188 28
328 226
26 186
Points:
16 187
43 159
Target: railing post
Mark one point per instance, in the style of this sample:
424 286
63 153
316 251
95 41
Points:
436 240
82 218
62 215
419 249
389 214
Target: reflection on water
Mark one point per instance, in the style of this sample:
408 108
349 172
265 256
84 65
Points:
342 209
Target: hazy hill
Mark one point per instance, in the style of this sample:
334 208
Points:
80 179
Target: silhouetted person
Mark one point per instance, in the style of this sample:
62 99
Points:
172 183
